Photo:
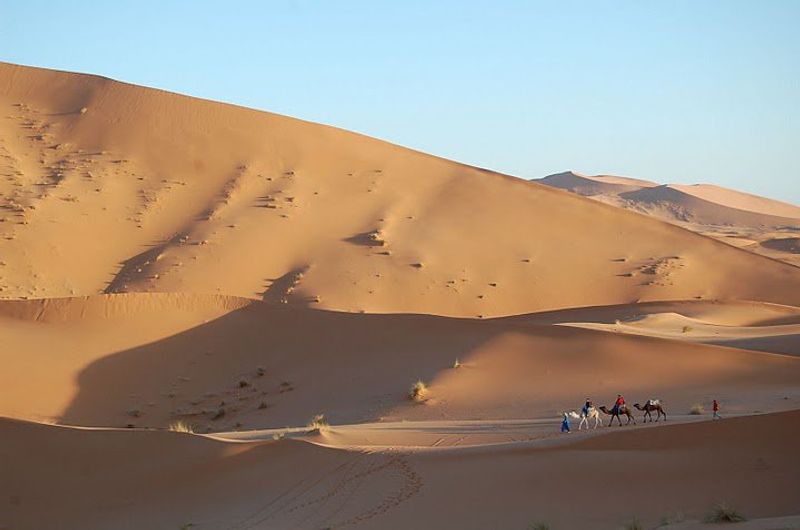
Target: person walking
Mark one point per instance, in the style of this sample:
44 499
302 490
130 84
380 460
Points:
715 409
565 423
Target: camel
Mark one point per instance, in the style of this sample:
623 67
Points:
592 413
650 406
616 413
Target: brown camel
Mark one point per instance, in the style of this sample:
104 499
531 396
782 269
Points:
617 412
650 406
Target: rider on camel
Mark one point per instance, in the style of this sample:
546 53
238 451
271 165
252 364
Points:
619 403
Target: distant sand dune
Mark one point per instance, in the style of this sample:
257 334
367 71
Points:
740 219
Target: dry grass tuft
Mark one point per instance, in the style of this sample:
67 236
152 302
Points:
724 513
317 424
418 392
697 409
181 426
457 364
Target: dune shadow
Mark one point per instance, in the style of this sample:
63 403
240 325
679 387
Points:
271 366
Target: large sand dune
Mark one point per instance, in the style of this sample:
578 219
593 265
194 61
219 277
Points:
170 262
110 187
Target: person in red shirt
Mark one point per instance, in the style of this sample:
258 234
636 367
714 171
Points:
715 408
619 403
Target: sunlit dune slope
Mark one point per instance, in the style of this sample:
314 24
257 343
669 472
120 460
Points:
109 187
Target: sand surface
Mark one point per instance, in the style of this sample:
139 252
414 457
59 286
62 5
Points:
169 263
211 483
760 225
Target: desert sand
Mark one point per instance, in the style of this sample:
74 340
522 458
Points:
764 226
171 264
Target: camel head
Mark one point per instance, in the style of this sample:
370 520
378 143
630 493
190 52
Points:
637 406
604 409
574 415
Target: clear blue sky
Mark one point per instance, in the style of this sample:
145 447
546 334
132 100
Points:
680 91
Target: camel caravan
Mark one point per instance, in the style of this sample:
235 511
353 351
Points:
590 412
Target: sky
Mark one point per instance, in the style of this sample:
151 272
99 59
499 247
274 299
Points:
682 91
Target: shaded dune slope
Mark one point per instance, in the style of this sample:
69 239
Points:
221 364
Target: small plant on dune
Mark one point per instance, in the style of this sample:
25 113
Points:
317 424
686 329
418 392
539 526
634 524
724 513
181 426
457 364
697 409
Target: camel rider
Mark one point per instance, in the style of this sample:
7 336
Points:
619 403
587 407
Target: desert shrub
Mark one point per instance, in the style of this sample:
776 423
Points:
686 329
181 426
317 423
724 513
697 409
538 526
418 392
457 364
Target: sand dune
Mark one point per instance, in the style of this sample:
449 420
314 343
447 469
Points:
595 184
747 221
288 483
167 259
672 200
160 192
222 364
747 325
740 200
